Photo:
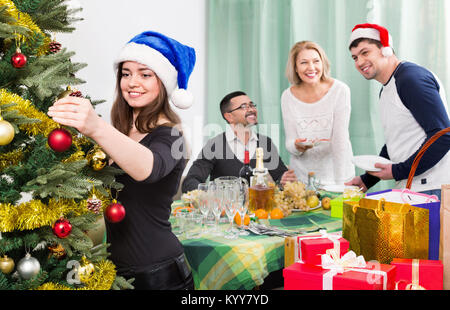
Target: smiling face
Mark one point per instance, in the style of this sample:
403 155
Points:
138 84
369 61
309 66
241 116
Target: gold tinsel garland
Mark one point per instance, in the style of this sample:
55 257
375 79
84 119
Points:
10 158
35 214
26 108
102 279
24 20
44 126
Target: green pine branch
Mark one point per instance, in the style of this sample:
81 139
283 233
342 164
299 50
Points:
54 16
120 283
63 180
7 29
26 6
47 74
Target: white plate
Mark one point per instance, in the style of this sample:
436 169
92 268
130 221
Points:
315 208
367 162
336 188
312 143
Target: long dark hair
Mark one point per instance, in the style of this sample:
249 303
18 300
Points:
146 121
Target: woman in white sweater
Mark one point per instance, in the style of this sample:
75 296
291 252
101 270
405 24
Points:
316 113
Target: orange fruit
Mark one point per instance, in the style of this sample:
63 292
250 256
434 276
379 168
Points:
261 214
182 209
276 214
237 219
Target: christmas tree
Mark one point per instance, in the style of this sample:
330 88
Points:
54 182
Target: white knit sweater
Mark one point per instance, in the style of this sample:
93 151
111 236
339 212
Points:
327 118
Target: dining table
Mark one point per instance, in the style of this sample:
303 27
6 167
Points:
218 263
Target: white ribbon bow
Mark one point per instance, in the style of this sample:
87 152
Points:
331 260
348 262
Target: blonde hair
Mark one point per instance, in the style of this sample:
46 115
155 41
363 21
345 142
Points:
292 75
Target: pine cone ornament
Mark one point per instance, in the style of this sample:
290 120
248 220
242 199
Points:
54 47
94 204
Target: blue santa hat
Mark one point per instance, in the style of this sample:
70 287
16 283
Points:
172 62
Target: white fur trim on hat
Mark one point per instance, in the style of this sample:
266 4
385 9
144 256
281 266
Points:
371 33
154 60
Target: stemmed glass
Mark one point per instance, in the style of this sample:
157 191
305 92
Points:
215 196
230 203
242 205
203 203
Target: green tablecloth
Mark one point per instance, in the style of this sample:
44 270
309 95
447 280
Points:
243 263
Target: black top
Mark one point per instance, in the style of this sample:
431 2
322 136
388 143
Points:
217 159
144 236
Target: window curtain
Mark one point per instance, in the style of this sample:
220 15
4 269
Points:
249 41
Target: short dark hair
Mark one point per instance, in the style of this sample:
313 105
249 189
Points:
357 41
225 102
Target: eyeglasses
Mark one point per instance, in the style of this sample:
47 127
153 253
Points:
244 106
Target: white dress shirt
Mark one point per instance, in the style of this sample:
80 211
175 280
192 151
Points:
237 146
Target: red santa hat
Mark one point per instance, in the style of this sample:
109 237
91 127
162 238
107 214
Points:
375 32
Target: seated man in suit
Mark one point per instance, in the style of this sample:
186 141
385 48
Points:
223 155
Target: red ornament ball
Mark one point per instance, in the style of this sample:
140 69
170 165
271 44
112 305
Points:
62 228
115 212
59 140
18 60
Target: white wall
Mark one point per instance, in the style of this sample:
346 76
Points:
108 25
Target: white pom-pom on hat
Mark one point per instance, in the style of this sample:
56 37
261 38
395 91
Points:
387 51
182 98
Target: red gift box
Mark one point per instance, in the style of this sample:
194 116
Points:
310 248
375 276
427 273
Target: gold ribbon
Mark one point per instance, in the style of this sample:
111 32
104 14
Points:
414 285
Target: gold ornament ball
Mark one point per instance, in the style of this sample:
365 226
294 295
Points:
6 132
65 93
6 264
85 270
97 159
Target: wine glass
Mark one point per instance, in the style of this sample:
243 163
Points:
203 203
230 203
215 196
242 205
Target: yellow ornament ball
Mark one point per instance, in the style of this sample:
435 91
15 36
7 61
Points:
97 159
6 132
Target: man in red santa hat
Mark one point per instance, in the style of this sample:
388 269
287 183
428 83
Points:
412 108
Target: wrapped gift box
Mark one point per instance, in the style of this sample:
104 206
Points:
301 276
309 248
427 273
